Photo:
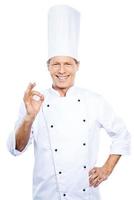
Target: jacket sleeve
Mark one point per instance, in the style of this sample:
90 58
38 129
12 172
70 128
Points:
115 128
11 142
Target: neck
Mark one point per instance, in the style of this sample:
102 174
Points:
62 91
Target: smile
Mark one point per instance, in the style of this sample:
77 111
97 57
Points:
62 78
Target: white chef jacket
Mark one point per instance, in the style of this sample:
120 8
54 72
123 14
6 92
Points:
65 134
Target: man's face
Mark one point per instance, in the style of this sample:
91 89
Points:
62 70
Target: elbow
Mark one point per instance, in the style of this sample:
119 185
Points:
20 147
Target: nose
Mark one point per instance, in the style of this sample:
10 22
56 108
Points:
61 69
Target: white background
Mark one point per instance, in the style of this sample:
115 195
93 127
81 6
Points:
107 62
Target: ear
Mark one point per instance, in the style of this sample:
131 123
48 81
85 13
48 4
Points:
48 64
78 65
48 67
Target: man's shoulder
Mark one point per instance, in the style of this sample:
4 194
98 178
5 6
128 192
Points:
88 93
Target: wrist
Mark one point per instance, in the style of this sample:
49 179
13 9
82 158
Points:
29 118
108 168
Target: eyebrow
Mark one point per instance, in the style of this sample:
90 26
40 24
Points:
48 61
64 63
56 62
67 63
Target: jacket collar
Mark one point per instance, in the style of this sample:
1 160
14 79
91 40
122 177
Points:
71 91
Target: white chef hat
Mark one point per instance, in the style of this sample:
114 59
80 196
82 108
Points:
63 31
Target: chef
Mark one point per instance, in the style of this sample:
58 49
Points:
64 122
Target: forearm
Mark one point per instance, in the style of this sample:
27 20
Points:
23 133
111 162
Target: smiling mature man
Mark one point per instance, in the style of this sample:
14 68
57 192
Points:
63 70
64 122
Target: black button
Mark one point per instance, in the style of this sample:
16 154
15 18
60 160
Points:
32 132
48 105
56 149
64 195
84 120
85 167
60 172
78 100
52 126
84 190
84 144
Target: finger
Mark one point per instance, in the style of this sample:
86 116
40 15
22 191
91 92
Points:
93 179
28 91
37 96
95 182
33 93
98 182
93 175
29 88
92 171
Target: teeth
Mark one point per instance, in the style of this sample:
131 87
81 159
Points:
62 78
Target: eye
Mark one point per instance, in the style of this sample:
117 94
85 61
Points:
68 64
55 64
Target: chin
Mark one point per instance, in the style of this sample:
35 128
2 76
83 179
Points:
62 86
